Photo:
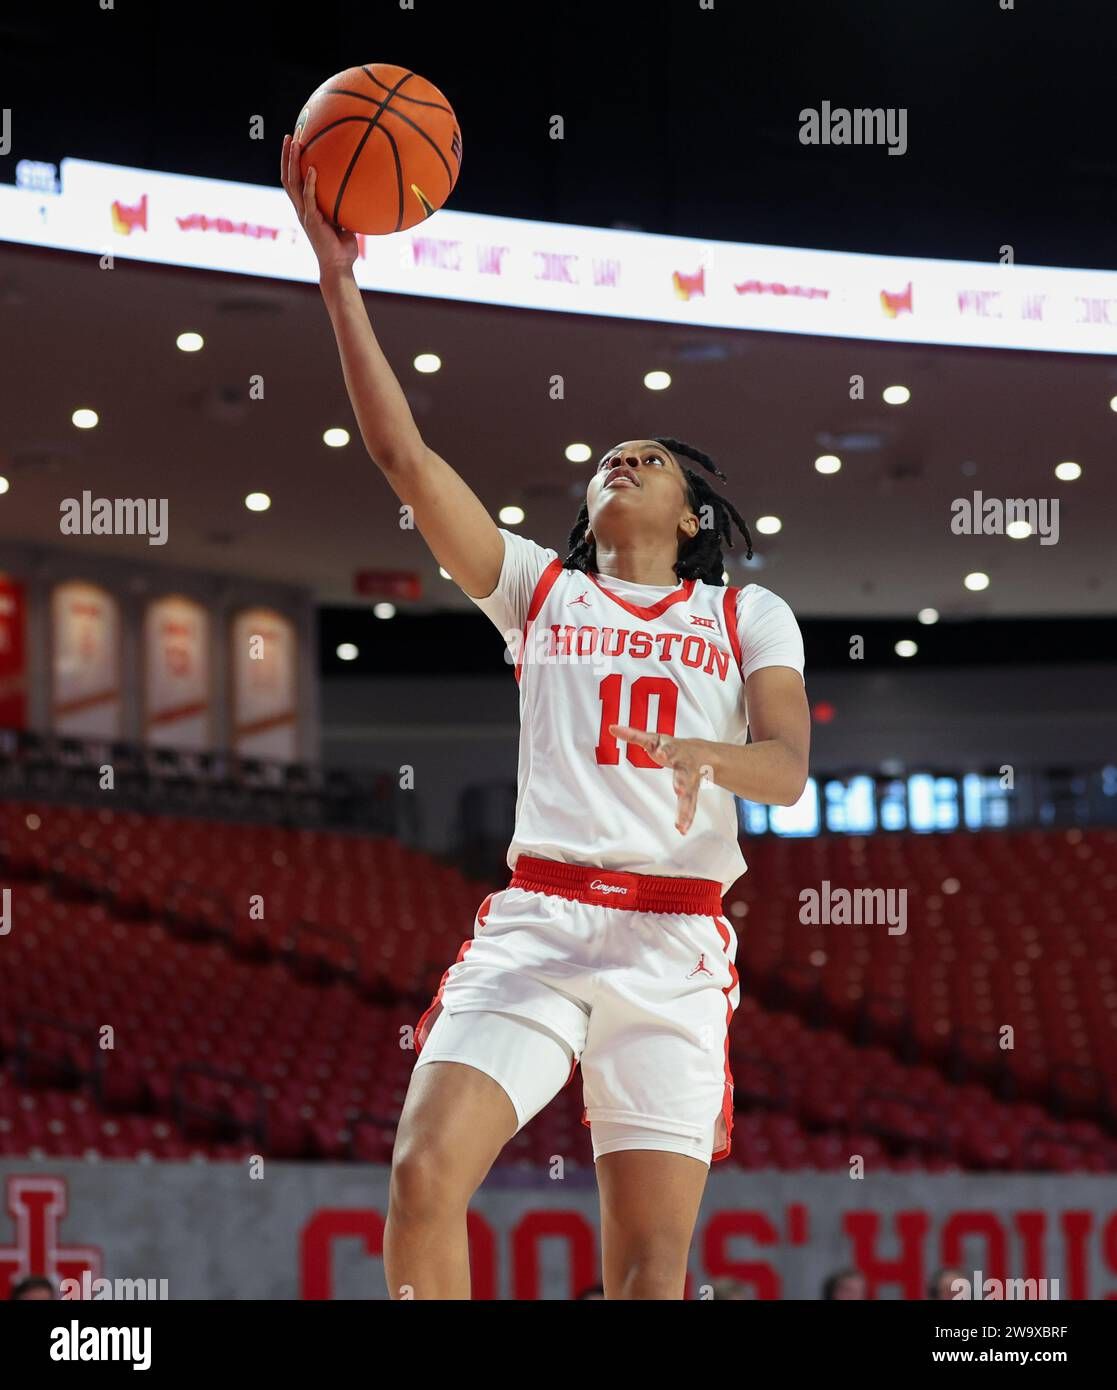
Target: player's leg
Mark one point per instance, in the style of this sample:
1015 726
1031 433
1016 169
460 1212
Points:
658 1094
480 1077
649 1205
455 1121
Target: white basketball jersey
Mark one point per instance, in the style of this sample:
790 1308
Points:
588 658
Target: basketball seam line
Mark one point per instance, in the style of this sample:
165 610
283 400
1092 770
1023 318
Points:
341 120
377 101
386 110
373 122
403 97
399 177
344 184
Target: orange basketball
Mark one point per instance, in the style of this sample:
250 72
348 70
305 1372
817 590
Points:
386 145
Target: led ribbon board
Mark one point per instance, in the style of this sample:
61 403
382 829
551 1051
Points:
248 229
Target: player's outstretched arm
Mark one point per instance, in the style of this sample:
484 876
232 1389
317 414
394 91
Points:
461 534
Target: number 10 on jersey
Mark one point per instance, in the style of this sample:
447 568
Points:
639 697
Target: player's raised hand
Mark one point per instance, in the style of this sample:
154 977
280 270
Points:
685 758
334 249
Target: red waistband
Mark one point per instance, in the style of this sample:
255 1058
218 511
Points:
607 888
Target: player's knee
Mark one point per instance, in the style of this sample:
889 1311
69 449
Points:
425 1182
653 1267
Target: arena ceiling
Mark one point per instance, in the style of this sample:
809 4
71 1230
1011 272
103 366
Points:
873 539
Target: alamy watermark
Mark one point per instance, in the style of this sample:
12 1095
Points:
838 125
992 516
77 1343
989 1289
115 516
856 907
87 1288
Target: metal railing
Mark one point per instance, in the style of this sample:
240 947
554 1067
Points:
214 784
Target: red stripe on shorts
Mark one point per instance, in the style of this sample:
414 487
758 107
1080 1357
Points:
727 1099
422 1028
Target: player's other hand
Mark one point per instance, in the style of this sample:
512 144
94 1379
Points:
686 759
336 250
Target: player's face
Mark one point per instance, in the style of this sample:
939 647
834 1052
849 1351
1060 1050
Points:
640 486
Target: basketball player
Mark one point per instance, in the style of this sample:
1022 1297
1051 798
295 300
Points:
636 668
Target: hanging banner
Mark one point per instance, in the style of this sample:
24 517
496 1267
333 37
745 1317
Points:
176 674
85 664
263 663
13 653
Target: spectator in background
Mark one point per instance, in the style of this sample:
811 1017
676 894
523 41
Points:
847 1284
33 1289
594 1291
942 1284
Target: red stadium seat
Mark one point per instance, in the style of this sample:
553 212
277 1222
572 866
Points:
848 1040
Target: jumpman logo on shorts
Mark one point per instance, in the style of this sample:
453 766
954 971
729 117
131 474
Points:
580 599
701 968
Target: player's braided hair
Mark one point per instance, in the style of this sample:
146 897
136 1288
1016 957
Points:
700 557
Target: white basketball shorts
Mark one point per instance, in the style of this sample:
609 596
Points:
629 975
